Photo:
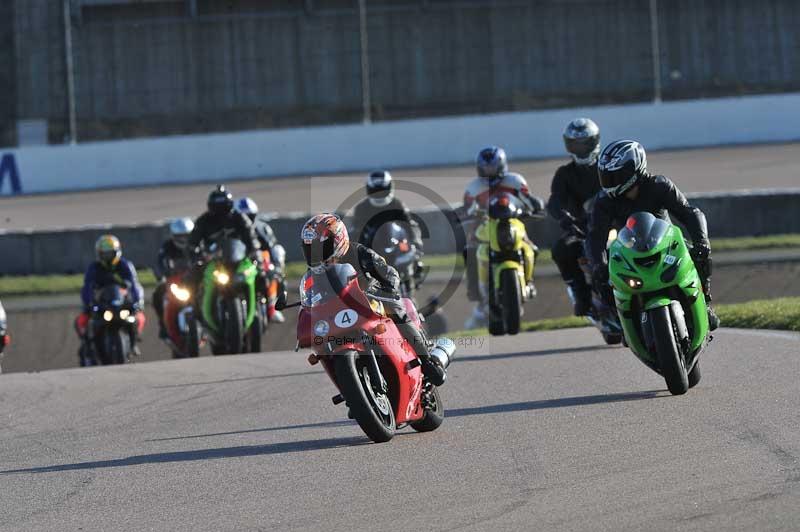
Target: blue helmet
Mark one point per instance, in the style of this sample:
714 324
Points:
492 164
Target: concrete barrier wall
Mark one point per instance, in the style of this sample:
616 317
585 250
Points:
409 143
744 213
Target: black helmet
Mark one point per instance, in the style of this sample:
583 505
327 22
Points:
492 164
582 141
220 201
380 188
620 167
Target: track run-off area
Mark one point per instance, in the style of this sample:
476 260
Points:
720 169
543 431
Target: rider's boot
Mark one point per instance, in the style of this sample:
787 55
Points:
713 319
478 318
431 368
581 296
274 315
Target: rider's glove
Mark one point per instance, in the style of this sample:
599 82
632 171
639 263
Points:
700 252
570 226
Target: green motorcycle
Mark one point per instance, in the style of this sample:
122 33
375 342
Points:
231 306
659 299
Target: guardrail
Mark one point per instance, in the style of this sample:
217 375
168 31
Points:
425 142
731 214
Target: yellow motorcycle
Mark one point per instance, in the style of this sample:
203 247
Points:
505 263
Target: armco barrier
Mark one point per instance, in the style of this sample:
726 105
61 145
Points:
396 144
741 213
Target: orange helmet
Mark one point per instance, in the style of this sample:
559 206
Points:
325 239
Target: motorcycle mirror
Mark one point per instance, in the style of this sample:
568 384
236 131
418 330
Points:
280 302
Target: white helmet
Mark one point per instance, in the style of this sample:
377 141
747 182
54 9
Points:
180 229
380 189
247 206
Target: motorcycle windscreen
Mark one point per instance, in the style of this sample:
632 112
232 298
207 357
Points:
113 295
643 232
319 288
233 251
387 238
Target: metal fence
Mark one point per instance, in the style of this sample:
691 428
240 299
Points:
100 69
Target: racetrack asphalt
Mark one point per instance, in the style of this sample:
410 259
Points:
696 170
543 431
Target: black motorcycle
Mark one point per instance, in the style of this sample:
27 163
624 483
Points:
394 243
112 328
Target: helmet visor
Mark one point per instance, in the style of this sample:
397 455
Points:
581 148
379 193
617 182
108 256
318 252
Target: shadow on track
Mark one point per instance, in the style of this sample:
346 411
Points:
323 424
581 400
240 379
202 454
540 353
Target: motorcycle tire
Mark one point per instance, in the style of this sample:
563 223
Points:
254 335
192 339
694 375
119 346
511 300
233 325
434 413
612 338
373 412
670 359
496 327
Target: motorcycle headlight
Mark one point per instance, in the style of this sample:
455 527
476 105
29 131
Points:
108 315
321 328
124 314
221 277
180 293
633 282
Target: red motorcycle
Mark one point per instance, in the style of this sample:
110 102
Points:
375 369
183 330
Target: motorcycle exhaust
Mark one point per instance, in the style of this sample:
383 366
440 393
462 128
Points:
443 349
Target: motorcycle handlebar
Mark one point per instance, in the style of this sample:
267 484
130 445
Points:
383 299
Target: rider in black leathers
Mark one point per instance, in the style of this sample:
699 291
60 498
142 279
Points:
628 188
381 207
222 220
277 254
574 186
173 257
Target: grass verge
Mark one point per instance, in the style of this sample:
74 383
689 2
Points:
781 314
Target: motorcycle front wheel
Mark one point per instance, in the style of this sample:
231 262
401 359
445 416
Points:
511 300
670 359
233 325
370 407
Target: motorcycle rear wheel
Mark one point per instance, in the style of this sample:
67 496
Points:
511 300
612 338
670 359
694 375
434 413
372 410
